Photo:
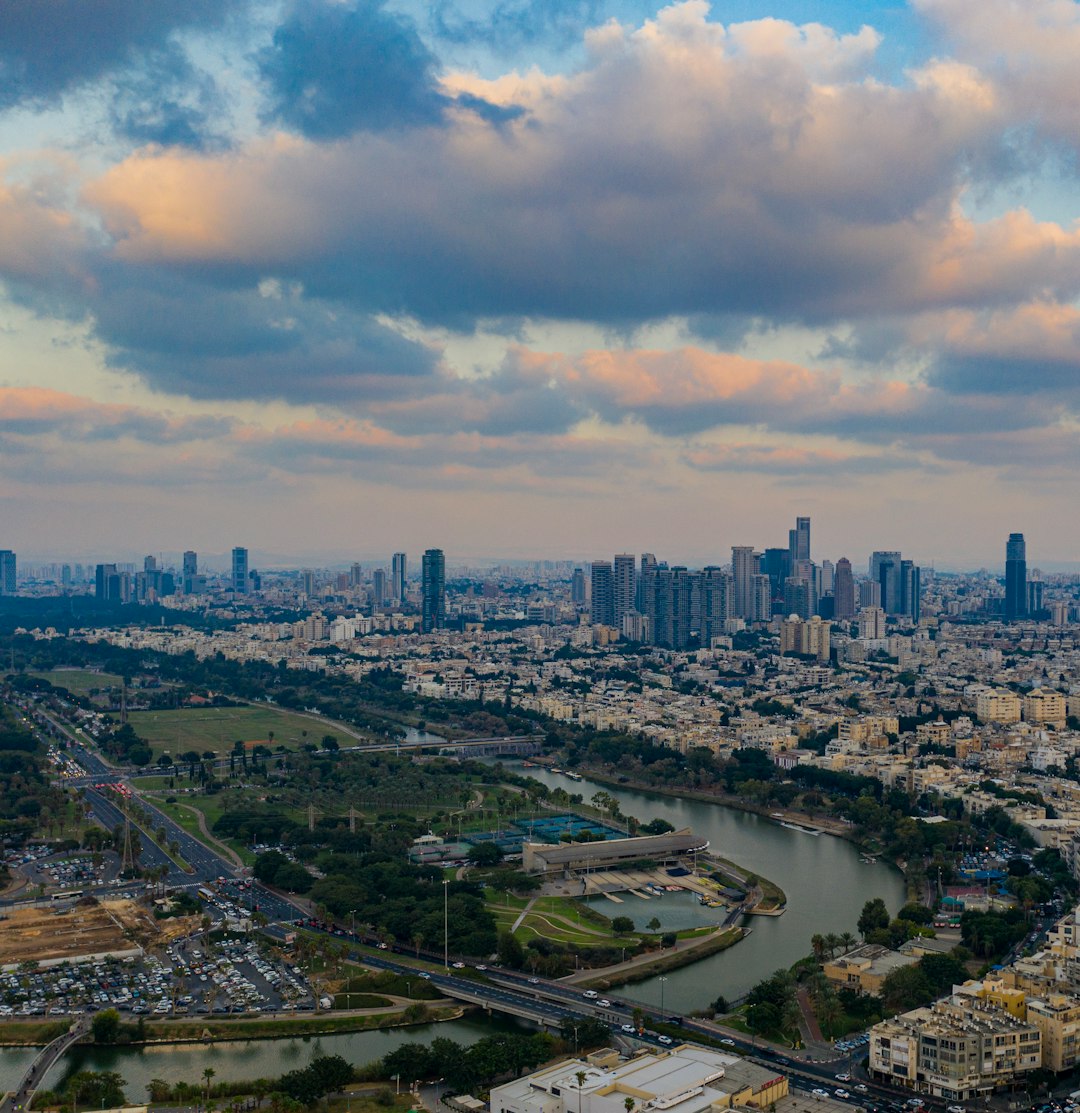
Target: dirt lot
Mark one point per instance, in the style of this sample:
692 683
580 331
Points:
33 934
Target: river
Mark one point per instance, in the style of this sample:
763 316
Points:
825 882
240 1059
822 876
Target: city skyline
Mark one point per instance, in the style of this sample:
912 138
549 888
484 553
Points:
514 278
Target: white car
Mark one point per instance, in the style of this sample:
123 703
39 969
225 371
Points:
665 1039
590 994
819 1093
604 1003
628 1028
841 1094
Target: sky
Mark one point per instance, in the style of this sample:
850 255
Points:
540 278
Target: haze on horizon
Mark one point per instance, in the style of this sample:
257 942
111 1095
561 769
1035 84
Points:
540 277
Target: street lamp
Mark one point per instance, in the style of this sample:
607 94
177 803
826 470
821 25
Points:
446 923
662 979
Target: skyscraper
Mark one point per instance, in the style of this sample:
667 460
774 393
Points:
603 593
378 586
577 587
7 572
398 570
843 590
744 566
190 570
239 571
885 571
433 591
1015 577
799 540
625 583
717 603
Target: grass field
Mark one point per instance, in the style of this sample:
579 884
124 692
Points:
80 682
217 728
211 807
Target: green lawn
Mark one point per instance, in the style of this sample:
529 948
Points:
80 682
218 728
211 808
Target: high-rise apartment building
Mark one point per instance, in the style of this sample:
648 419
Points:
744 566
717 603
648 564
843 590
577 587
625 586
239 571
433 591
7 572
602 607
379 590
1015 577
189 569
398 572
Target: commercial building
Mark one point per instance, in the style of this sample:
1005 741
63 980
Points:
239 571
956 1049
843 590
602 604
398 571
686 1079
584 857
1015 577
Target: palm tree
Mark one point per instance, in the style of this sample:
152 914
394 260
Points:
628 1104
817 945
847 941
208 1073
580 1076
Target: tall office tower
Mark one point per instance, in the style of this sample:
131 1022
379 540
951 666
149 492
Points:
239 571
398 569
910 590
843 590
1034 594
65 576
7 572
625 586
648 564
799 540
761 608
378 587
776 564
869 594
826 577
307 581
717 603
744 566
356 575
433 590
603 593
1015 577
189 570
577 587
885 571
104 574
150 564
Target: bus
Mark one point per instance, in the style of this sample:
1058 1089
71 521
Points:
71 894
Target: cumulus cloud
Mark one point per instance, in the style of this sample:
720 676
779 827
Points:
51 46
335 68
688 168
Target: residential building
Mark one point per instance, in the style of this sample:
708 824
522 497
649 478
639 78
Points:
997 705
744 566
602 606
1057 1016
398 572
433 591
1044 707
7 572
624 586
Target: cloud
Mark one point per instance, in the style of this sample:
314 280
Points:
51 46
511 24
339 67
166 100
688 169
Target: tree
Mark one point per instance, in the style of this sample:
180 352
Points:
874 915
622 925
105 1027
511 953
208 1074
653 924
485 854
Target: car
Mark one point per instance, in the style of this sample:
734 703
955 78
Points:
534 981
459 965
628 1028
481 966
954 1109
860 1088
842 1077
425 975
590 994
384 946
727 1042
841 1093
604 1003
818 1092
665 1039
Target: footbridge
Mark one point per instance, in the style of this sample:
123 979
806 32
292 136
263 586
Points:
19 1098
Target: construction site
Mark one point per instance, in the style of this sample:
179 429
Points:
47 935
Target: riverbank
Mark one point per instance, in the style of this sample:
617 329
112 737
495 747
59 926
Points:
17 1033
642 967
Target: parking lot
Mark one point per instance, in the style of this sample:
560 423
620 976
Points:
232 976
